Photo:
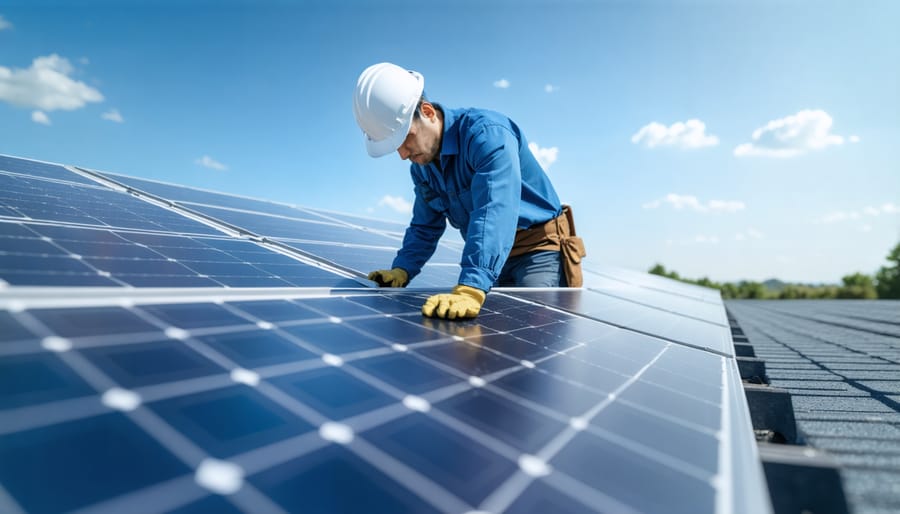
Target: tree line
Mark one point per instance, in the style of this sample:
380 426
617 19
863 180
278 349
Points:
885 283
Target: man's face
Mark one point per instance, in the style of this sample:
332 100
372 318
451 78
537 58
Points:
423 143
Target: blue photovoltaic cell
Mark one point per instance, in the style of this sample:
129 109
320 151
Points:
154 362
40 169
231 420
333 392
333 479
467 444
88 460
37 378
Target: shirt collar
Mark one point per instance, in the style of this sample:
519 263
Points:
450 141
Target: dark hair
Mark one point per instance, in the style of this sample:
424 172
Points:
418 113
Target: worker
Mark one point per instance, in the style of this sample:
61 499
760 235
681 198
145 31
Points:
472 167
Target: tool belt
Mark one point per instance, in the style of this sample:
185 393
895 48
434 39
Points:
557 234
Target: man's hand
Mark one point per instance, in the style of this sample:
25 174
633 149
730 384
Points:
396 277
462 303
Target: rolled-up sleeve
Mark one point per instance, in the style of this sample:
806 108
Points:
493 153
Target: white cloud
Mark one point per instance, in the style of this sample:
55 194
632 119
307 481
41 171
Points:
113 115
857 214
791 136
854 139
865 227
700 238
208 162
550 88
397 203
40 117
544 156
46 85
697 239
502 84
750 233
688 135
4 24
692 203
755 234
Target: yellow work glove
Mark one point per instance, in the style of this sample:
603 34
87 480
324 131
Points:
463 302
396 277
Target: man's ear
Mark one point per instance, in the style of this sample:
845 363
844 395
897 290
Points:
427 110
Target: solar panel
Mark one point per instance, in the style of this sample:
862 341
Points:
34 254
34 168
652 320
337 238
321 399
595 275
50 201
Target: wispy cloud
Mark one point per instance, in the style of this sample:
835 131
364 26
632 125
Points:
502 84
40 117
4 24
550 88
46 85
396 203
544 156
113 115
691 202
791 136
869 211
750 233
854 139
688 135
208 162
697 239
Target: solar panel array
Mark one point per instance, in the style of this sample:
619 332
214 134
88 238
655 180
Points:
237 361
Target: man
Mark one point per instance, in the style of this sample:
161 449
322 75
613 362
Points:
473 168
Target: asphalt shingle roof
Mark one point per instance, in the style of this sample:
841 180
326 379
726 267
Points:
840 360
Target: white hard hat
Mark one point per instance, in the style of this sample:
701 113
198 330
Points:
384 103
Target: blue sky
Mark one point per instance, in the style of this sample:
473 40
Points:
729 139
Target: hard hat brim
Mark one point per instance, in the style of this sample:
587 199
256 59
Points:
388 144
393 142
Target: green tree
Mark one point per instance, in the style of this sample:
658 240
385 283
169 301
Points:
857 286
888 277
658 269
751 289
706 282
794 292
729 291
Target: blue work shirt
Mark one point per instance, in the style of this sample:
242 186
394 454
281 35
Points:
487 184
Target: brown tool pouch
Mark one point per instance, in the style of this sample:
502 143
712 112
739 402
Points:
557 234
